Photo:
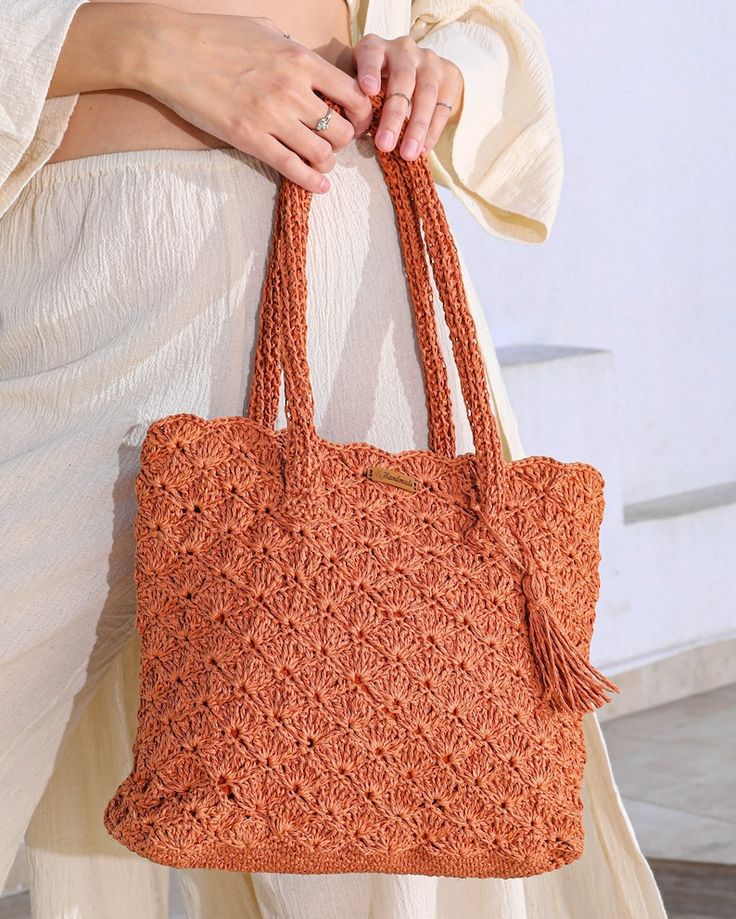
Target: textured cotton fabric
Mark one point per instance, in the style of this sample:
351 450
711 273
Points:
128 291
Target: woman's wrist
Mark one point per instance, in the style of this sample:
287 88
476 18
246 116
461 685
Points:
143 53
110 46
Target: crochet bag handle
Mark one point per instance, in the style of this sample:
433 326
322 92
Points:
264 394
411 183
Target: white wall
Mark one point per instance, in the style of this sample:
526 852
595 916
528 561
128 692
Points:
642 257
641 262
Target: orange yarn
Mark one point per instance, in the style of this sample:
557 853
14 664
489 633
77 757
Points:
339 674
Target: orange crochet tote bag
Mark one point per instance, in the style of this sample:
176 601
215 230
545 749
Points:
351 659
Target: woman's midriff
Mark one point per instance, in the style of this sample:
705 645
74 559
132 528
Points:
118 120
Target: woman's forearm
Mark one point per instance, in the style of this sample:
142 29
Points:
108 46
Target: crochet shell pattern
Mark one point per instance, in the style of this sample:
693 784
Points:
356 660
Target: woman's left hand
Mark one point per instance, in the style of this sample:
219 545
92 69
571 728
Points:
419 74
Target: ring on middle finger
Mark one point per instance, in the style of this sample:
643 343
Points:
397 93
324 121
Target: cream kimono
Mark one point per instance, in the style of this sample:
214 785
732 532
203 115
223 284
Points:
90 352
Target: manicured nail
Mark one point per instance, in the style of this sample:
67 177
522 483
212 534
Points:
410 148
371 84
324 184
385 138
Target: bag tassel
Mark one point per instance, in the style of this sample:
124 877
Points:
568 679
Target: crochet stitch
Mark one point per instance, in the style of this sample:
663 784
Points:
339 674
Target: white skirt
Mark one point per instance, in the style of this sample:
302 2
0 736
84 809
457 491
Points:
129 291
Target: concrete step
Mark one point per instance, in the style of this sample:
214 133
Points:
668 560
565 403
680 558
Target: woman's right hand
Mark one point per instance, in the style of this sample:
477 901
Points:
240 79
235 77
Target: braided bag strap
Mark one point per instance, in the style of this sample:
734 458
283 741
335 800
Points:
263 402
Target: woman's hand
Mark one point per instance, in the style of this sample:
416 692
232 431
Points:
240 79
417 73
237 78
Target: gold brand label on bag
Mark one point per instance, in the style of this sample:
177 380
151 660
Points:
391 477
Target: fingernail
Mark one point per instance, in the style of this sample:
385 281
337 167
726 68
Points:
324 184
385 138
411 147
371 84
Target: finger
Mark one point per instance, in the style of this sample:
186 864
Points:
423 108
306 66
451 93
338 133
369 57
400 85
310 146
342 88
289 164
436 127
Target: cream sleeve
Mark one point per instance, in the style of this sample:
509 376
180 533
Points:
503 157
32 33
